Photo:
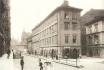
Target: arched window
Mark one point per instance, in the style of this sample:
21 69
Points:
96 39
90 40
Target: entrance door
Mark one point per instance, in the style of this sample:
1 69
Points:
67 53
74 52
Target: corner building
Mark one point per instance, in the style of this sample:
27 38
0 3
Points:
59 33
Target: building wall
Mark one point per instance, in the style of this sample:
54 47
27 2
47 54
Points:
70 32
96 48
29 47
50 33
5 26
100 28
46 34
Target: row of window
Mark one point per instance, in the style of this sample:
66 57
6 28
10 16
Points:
74 39
67 25
49 30
74 15
48 22
93 40
49 41
95 28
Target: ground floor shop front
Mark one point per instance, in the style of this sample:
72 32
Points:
60 51
95 51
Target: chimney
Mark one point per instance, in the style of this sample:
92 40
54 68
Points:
65 3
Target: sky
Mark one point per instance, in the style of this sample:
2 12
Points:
26 14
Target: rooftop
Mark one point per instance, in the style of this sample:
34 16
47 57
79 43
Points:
63 6
91 14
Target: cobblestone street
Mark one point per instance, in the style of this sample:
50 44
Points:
31 63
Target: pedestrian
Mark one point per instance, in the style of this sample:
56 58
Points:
22 63
40 64
8 53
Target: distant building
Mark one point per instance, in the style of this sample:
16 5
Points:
29 45
14 42
95 36
59 33
5 26
23 44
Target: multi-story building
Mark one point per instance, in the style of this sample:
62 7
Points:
59 33
95 37
87 17
5 35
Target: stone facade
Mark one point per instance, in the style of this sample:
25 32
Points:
5 26
95 37
59 33
88 16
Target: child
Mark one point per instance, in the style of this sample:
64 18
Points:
22 63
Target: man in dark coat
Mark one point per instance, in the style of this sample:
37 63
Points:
8 53
22 63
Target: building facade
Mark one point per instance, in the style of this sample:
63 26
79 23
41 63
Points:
59 33
23 44
29 45
95 37
5 26
87 17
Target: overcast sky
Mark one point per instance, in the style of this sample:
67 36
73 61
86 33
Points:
28 13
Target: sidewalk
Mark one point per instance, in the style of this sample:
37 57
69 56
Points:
6 64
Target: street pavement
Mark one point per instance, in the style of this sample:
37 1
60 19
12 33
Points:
6 64
31 63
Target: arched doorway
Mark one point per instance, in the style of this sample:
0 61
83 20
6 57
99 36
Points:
74 52
67 53
71 53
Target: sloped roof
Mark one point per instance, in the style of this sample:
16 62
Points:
54 11
95 20
91 14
